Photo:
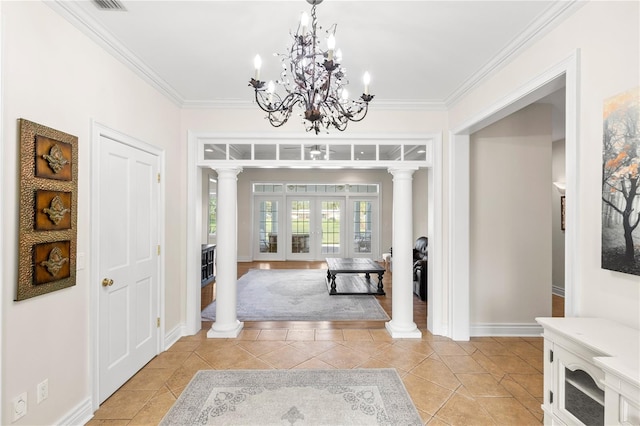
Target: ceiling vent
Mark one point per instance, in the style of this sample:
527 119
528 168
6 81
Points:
109 5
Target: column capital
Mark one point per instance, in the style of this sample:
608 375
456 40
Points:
227 171
404 171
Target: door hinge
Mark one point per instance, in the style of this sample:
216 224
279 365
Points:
158 250
550 356
158 177
550 397
158 322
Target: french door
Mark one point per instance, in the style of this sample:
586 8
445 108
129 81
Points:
315 228
268 222
363 227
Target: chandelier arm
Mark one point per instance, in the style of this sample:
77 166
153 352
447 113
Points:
328 85
282 111
361 108
275 122
355 115
280 105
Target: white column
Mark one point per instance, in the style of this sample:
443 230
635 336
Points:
226 323
401 324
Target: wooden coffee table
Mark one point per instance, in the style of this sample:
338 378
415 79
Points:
350 280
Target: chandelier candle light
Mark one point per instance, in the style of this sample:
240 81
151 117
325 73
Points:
313 79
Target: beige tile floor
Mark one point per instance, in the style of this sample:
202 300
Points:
486 381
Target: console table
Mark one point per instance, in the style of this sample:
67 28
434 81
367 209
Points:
591 372
350 281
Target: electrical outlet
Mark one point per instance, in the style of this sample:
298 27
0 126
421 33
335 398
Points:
43 390
19 406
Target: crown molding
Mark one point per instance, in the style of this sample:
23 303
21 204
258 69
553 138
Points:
81 20
545 22
552 16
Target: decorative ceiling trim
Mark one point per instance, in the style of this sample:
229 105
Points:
78 18
545 22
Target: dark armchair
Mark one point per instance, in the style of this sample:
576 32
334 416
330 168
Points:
420 264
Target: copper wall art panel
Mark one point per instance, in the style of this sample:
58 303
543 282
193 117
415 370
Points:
53 158
53 210
51 262
48 210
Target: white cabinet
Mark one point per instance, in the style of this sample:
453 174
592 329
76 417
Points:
591 372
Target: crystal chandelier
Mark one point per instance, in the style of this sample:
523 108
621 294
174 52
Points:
313 79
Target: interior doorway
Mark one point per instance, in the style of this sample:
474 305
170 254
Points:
127 274
430 158
564 74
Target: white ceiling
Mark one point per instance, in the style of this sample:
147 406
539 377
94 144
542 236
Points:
420 54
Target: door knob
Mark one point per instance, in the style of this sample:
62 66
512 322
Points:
107 282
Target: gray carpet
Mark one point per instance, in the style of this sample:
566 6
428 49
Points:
294 397
296 295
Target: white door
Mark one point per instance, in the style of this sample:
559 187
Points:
269 244
363 227
128 263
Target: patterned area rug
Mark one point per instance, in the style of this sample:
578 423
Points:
296 295
294 397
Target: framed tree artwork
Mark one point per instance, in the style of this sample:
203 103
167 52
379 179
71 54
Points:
621 183
48 210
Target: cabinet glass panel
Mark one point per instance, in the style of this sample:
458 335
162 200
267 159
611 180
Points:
583 398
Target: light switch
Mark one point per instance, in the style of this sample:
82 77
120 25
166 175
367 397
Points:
79 261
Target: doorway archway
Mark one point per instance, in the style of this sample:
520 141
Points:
197 162
563 74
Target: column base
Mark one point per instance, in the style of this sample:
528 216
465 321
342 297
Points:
226 332
410 332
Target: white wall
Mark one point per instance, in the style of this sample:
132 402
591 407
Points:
557 175
55 76
607 35
510 219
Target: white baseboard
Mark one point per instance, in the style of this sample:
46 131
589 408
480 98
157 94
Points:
558 291
245 259
520 330
79 415
174 335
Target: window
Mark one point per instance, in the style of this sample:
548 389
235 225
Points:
362 226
